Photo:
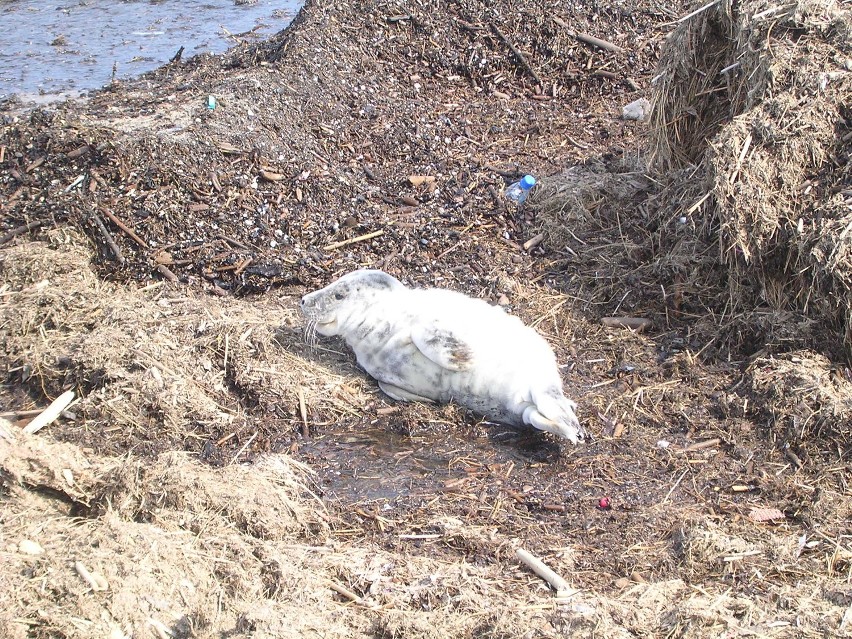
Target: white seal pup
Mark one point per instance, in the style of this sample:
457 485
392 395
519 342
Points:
439 345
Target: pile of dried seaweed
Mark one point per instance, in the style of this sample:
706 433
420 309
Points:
750 142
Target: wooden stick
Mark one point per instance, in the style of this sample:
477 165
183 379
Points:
233 242
354 240
80 150
589 39
695 206
318 156
161 629
533 241
759 16
304 413
709 443
166 272
742 488
225 359
538 567
637 324
244 446
243 265
342 590
598 42
699 10
26 228
10 414
124 228
99 223
676 484
76 182
49 414
520 56
95 580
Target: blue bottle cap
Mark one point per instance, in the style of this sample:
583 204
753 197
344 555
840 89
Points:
527 182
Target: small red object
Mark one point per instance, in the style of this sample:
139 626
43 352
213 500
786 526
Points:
603 503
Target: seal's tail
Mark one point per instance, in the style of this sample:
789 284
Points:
551 411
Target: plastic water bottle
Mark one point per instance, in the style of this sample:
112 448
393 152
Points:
519 191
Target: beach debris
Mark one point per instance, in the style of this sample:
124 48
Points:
51 413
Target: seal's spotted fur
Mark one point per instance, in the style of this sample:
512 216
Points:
439 345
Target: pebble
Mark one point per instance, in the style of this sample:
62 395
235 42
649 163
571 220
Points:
637 110
30 547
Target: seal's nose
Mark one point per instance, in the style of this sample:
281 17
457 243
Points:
302 302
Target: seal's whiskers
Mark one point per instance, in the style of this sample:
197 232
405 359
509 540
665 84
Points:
311 338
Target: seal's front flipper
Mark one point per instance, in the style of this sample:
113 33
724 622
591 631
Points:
442 346
400 394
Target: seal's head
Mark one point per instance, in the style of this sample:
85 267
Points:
329 309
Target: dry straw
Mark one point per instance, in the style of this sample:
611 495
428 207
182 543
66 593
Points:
751 210
756 99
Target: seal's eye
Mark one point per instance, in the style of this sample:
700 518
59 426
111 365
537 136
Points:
339 295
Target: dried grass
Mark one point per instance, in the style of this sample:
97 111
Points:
802 395
172 541
161 365
191 549
750 152
247 549
768 139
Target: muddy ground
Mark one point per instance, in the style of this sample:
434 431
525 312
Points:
221 478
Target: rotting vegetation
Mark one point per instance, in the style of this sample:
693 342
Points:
223 478
746 230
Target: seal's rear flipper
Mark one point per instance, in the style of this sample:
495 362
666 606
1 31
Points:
566 423
400 394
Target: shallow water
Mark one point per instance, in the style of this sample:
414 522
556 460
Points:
52 47
380 464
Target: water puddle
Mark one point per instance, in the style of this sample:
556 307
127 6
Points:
381 465
63 47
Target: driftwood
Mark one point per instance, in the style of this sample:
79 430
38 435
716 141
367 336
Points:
589 39
26 228
49 414
520 56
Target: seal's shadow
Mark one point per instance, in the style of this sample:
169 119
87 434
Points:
332 353
528 444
